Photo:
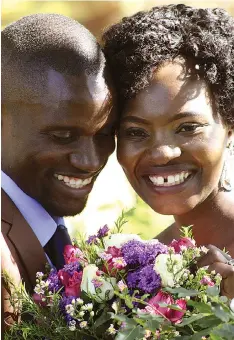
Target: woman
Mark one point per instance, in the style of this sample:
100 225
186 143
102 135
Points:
173 70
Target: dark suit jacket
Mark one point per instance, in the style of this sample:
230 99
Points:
24 246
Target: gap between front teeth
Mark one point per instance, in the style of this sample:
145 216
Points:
169 180
73 182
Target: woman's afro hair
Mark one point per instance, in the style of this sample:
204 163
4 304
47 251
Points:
140 43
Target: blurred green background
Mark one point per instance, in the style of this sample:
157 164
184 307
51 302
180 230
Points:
111 193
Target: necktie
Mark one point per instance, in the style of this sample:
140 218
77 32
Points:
55 246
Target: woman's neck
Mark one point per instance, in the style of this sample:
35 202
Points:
212 220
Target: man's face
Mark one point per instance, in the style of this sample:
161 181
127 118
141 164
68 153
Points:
55 147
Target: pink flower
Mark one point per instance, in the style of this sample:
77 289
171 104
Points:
119 262
114 251
182 243
37 298
206 280
63 277
154 307
174 316
71 283
72 254
115 262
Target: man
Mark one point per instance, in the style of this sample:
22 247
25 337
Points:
57 134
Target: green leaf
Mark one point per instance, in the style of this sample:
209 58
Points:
152 325
208 321
182 292
212 291
129 303
188 321
204 332
225 331
220 313
215 337
102 319
124 318
200 306
133 334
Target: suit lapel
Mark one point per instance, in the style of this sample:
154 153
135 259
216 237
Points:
26 243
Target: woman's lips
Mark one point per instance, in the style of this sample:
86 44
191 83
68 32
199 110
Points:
169 184
170 180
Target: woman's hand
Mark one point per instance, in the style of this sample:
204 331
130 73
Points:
217 260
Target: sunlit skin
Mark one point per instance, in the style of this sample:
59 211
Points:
67 130
171 127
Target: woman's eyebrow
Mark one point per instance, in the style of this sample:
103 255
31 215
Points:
188 114
134 119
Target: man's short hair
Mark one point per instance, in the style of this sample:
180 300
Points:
36 42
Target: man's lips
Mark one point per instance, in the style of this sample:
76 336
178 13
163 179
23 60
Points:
73 181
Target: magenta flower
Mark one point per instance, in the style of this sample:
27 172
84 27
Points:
119 262
206 280
182 243
175 316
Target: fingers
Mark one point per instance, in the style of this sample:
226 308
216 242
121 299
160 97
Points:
214 255
214 248
225 270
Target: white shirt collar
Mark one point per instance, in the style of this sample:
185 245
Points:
37 217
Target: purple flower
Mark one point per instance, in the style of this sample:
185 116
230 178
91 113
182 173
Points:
145 279
133 279
132 251
92 239
140 253
54 282
149 280
102 232
151 251
72 267
66 300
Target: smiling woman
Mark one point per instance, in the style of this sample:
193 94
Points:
175 86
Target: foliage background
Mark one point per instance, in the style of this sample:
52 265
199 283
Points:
111 193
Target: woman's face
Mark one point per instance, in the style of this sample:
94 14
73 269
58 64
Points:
171 144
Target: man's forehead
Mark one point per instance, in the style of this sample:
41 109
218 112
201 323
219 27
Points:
83 87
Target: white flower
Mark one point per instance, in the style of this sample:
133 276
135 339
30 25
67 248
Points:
104 292
169 279
83 324
79 301
117 240
232 305
111 329
39 275
70 309
72 325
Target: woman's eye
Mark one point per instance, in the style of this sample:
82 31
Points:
135 133
191 127
62 136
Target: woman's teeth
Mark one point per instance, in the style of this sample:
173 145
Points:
73 182
167 181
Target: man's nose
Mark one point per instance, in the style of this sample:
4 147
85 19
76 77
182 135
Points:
87 156
163 154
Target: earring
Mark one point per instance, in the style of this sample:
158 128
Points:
227 180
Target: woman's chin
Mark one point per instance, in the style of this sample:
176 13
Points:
172 208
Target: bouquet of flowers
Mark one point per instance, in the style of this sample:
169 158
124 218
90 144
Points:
118 286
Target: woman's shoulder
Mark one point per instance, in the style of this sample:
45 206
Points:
170 233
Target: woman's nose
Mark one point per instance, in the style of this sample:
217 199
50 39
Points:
163 154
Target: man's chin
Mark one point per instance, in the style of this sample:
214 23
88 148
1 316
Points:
64 210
